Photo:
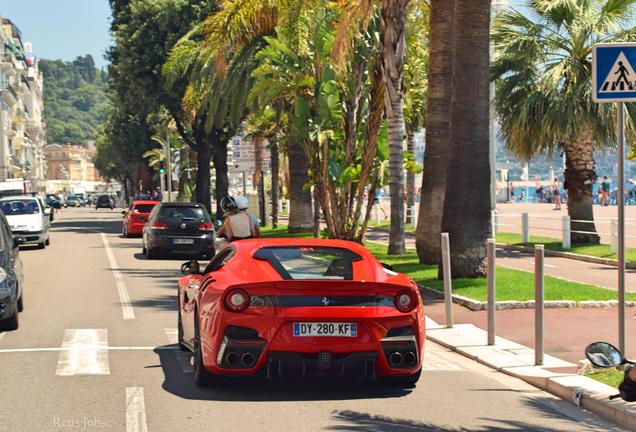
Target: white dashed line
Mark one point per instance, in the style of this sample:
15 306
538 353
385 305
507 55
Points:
85 352
124 298
135 410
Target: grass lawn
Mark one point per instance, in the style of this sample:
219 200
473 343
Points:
386 224
600 251
511 284
611 377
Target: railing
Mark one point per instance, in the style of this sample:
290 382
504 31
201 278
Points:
565 230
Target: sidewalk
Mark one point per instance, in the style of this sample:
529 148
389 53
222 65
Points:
518 361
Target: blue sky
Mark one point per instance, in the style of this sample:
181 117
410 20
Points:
62 29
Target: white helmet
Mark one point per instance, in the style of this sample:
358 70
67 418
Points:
241 202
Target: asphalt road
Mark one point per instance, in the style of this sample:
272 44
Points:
96 351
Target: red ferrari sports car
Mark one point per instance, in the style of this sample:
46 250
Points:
136 216
300 307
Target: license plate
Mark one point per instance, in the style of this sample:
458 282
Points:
326 329
182 241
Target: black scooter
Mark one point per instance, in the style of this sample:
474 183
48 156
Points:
606 355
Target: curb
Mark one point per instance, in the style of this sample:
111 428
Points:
577 389
568 255
476 306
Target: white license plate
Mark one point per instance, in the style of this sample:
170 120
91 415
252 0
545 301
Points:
182 241
326 329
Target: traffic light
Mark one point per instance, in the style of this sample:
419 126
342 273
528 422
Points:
162 168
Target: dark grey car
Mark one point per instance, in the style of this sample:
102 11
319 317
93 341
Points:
179 228
11 277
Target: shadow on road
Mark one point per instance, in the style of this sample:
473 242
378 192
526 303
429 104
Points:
106 226
260 389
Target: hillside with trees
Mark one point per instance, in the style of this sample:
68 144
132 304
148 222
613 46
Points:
75 100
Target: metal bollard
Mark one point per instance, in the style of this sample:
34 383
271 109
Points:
492 287
448 282
614 234
280 206
538 305
494 222
376 218
525 228
287 206
566 241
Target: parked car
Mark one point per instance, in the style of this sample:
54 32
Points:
52 201
300 308
71 201
104 201
136 216
11 277
81 200
28 219
183 228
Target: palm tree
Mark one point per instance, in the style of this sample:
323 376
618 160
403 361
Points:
543 71
467 201
438 126
393 37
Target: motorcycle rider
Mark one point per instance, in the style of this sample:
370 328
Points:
237 224
243 204
628 387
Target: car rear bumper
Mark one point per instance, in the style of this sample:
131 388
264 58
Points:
201 244
276 352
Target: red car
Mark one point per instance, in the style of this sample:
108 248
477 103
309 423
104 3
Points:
136 217
300 307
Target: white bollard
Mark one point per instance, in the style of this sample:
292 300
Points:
376 216
280 206
492 287
525 228
414 217
494 222
287 206
448 282
614 234
566 241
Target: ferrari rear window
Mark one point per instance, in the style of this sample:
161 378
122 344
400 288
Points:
143 208
310 262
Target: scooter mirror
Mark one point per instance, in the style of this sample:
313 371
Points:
603 354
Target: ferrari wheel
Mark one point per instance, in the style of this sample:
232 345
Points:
182 346
202 377
405 381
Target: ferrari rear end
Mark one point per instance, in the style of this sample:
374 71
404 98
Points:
304 328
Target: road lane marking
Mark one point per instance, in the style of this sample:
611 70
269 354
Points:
124 298
172 335
60 349
135 410
85 353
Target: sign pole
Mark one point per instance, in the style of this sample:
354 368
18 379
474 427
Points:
620 134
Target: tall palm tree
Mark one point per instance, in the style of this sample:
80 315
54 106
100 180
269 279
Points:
393 37
438 126
467 200
543 71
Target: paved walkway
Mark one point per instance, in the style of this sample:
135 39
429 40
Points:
564 268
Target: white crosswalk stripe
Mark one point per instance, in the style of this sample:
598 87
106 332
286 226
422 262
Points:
84 352
135 410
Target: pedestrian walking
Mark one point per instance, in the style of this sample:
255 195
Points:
557 194
605 191
377 199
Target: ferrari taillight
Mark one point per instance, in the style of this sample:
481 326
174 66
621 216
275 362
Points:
237 300
405 301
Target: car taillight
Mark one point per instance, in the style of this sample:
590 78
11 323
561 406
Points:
206 227
159 226
237 300
405 301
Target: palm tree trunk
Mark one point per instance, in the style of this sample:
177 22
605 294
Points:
275 180
393 16
580 175
301 211
219 154
183 172
410 176
467 201
204 156
438 126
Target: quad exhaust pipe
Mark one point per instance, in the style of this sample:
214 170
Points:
248 359
410 359
232 358
395 359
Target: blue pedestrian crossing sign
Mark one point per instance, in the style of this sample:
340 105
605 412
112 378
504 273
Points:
613 74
